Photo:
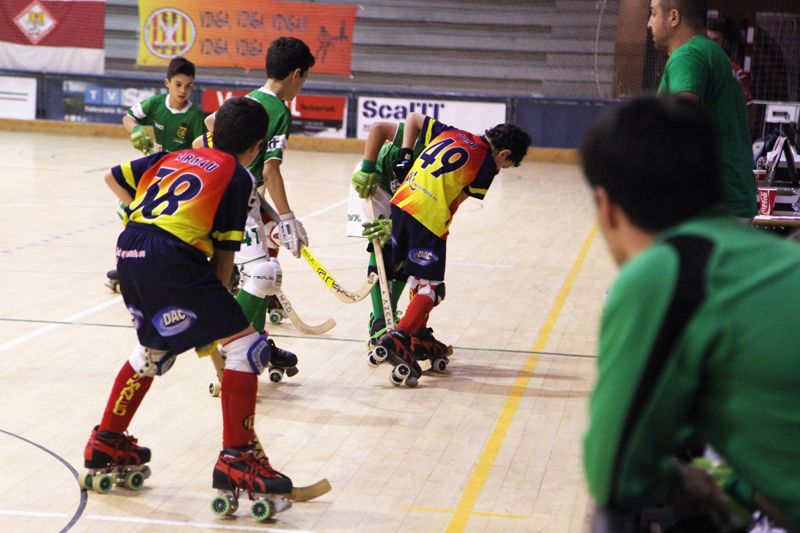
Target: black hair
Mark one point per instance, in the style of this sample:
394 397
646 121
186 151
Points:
694 12
239 123
657 158
285 54
180 65
512 137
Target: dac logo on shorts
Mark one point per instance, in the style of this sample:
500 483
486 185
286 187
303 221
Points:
173 320
422 256
137 317
169 32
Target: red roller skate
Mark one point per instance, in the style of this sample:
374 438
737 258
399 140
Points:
242 470
395 347
424 346
111 458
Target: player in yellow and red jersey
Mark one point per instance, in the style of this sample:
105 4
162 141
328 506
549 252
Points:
454 165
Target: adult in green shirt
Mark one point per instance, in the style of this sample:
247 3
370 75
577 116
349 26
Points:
699 70
698 340
175 120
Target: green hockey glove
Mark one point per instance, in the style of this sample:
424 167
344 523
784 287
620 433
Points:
380 228
141 140
365 180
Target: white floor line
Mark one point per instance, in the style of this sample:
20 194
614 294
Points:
152 522
325 210
51 327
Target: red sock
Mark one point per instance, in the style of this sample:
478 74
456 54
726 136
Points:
239 390
126 395
416 315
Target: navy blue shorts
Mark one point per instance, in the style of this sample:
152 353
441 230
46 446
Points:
421 252
176 301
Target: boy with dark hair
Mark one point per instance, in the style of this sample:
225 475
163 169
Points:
175 120
698 341
184 220
453 166
699 70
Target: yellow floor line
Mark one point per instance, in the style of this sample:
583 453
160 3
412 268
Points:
466 505
479 513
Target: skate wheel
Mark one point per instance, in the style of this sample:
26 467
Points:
85 480
134 480
102 483
275 317
439 365
394 380
372 362
214 389
276 375
263 509
224 505
292 371
146 471
412 381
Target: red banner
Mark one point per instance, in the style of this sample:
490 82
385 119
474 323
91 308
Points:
237 33
52 36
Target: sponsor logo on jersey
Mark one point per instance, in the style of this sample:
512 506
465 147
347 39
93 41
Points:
173 320
276 143
35 22
169 32
183 129
422 256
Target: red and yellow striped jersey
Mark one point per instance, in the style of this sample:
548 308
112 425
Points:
199 196
453 161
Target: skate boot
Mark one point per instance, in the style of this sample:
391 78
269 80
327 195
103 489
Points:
111 458
275 310
395 347
112 280
424 346
280 362
377 329
240 469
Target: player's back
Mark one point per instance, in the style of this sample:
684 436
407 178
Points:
278 130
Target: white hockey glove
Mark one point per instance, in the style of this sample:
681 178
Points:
292 233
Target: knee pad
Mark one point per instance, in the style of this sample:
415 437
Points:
149 363
432 289
265 278
250 353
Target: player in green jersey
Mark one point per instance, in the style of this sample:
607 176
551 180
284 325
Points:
175 120
699 70
698 339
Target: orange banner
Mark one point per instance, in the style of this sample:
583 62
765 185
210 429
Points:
236 34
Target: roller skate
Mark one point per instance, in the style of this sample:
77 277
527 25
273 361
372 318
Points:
241 469
424 346
113 458
395 347
275 311
112 280
377 328
281 362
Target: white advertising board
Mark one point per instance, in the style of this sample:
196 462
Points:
17 97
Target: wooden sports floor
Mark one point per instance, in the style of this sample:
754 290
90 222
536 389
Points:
492 445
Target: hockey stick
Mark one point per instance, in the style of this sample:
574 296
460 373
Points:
298 494
386 301
324 274
298 322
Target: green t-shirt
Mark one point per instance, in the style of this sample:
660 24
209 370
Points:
387 155
280 125
699 338
175 129
701 67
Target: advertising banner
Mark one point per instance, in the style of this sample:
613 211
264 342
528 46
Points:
474 117
92 102
312 115
52 36
237 33
17 97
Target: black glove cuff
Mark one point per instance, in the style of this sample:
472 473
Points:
406 153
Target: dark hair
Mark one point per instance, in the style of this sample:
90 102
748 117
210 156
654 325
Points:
657 158
694 12
180 65
285 54
238 124
512 137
